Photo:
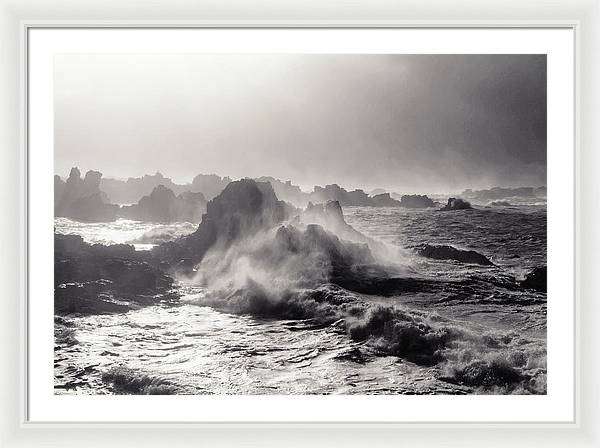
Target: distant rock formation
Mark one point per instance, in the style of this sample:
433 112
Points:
286 191
451 253
346 198
163 206
210 185
81 199
502 193
334 192
134 188
416 201
384 200
456 204
95 279
500 204
536 279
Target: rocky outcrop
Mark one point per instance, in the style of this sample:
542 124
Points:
536 279
334 192
500 204
163 206
94 279
384 200
451 253
456 204
81 199
286 191
242 209
331 217
416 201
130 191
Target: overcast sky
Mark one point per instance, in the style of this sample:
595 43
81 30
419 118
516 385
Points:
407 123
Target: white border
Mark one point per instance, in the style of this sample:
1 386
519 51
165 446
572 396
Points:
557 406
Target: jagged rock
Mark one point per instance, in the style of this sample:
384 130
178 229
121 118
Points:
500 204
163 206
334 192
416 201
451 253
287 192
243 208
456 204
331 217
134 188
536 279
81 199
91 279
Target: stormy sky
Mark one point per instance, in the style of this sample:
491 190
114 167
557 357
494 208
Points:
407 123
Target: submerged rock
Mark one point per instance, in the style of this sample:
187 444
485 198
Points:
451 253
93 279
536 279
456 204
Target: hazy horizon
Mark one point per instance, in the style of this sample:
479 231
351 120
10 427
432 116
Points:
403 123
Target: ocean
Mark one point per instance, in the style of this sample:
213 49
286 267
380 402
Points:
493 336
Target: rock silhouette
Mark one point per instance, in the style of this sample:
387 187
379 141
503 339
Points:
163 206
93 279
416 201
456 204
451 253
81 199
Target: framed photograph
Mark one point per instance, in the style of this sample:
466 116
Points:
366 229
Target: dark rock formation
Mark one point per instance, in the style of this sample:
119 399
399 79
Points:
536 279
92 279
242 209
81 199
451 253
163 206
416 201
456 204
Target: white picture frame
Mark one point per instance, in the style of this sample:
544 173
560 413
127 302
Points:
16 430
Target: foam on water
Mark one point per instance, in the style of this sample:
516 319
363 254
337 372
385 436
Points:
478 338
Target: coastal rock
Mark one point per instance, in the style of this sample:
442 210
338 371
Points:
163 206
130 191
500 204
384 200
536 279
456 204
92 279
416 201
81 199
242 209
451 253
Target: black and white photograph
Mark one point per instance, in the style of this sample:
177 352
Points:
300 224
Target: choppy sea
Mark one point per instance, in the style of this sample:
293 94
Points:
195 349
